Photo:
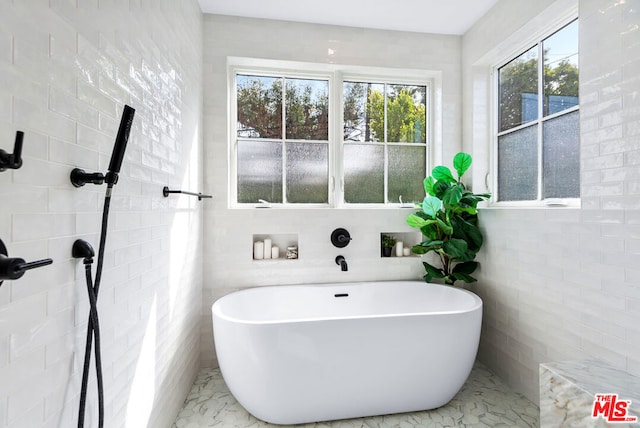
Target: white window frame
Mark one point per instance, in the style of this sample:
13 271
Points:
535 40
336 75
383 79
293 74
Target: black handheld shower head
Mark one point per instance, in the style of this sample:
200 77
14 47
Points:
79 177
120 145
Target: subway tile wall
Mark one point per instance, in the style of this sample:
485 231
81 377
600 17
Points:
563 284
228 235
67 67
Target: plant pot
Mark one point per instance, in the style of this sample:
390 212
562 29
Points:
386 251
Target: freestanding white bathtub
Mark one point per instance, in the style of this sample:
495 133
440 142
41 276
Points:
307 353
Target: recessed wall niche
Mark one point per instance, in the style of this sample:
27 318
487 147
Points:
275 246
398 244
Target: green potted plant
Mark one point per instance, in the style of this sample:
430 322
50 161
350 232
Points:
388 242
448 220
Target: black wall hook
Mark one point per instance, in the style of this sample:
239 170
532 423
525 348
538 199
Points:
15 267
12 160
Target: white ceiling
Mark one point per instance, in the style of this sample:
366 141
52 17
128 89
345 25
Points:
426 16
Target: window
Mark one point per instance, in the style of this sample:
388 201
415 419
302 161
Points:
385 137
282 139
288 150
538 150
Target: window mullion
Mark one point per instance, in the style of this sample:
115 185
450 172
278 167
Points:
284 140
540 116
336 135
385 196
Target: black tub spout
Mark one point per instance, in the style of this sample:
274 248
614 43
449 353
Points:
343 263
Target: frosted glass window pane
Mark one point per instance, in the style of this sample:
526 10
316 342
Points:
561 157
307 109
363 111
407 170
518 89
363 173
561 69
518 165
307 173
259 106
406 114
259 171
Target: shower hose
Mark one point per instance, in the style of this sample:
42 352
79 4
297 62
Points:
93 327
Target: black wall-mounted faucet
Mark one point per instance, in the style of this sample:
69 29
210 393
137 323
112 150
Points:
12 160
15 267
343 263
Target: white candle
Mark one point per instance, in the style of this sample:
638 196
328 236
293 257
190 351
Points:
399 249
407 252
258 250
267 248
275 252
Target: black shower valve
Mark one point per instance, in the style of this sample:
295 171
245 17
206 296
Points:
15 267
340 237
12 160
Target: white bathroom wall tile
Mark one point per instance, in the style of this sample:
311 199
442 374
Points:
61 298
67 200
3 410
67 104
24 416
22 343
73 125
4 353
37 173
22 371
42 226
26 198
87 223
594 254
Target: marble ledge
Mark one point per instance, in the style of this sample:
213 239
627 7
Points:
568 389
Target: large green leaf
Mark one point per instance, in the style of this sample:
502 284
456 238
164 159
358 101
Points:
428 185
456 248
431 205
467 231
463 277
446 228
432 272
452 195
419 249
466 267
415 221
442 173
461 163
463 271
426 246
460 209
430 230
439 188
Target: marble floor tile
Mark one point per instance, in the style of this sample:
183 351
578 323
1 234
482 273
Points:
484 401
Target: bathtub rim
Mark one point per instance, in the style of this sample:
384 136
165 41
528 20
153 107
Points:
216 311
